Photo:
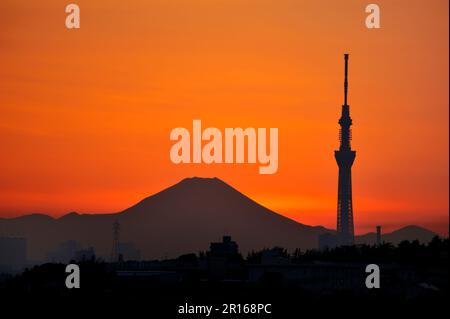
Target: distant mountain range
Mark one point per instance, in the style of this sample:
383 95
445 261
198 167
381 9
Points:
183 218
410 232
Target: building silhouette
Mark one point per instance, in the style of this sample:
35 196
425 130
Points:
65 252
223 260
226 248
328 241
84 254
129 251
378 235
115 252
344 158
13 254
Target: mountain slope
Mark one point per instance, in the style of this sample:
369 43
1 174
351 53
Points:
183 218
196 211
406 233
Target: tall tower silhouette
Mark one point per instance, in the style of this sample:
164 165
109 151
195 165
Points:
116 240
344 158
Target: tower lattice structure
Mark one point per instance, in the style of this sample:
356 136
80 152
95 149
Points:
116 239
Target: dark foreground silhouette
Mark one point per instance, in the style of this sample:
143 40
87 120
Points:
413 277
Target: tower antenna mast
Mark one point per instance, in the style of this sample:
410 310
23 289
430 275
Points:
346 78
116 240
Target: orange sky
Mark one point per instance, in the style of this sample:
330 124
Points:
86 114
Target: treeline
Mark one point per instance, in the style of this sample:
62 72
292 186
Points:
406 251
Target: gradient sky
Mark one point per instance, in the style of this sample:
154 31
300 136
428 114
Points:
85 115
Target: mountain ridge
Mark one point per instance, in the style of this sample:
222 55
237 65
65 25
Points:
182 218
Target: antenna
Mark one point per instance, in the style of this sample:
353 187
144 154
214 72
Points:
116 239
345 78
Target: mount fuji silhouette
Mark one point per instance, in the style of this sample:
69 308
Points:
181 219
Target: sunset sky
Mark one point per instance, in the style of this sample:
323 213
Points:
85 115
